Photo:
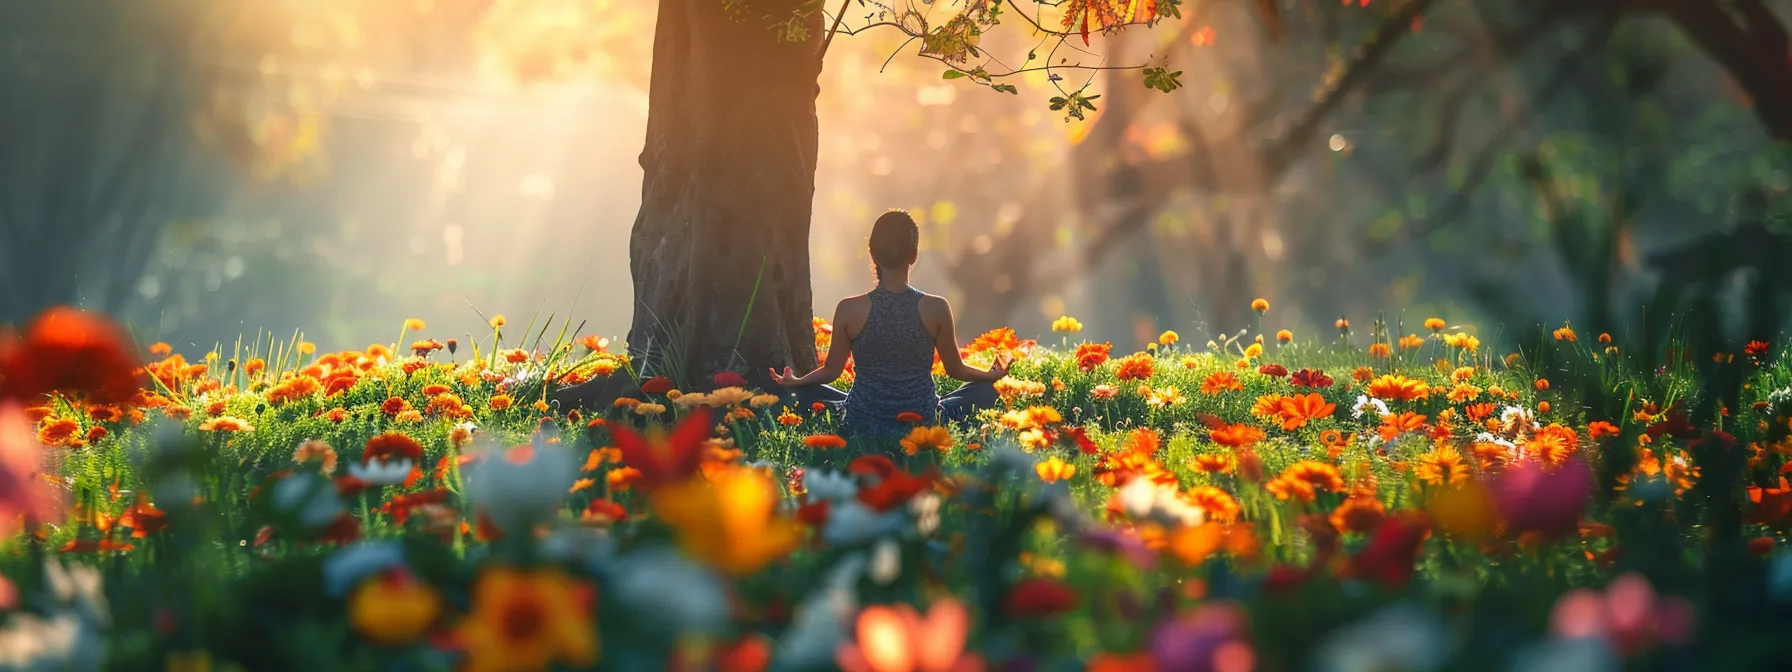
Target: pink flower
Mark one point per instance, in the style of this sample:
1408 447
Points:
1533 497
897 639
1628 615
22 490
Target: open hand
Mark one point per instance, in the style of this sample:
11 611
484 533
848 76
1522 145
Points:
999 369
787 379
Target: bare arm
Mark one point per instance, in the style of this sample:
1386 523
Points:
945 341
830 370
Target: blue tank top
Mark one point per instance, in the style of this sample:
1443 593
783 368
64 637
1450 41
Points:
892 366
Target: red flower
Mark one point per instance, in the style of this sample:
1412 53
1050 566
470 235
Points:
895 490
1273 370
814 514
1310 378
73 352
730 379
1039 597
666 460
1390 555
1081 438
872 465
605 510
657 385
392 446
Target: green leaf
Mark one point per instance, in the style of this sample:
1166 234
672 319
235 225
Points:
1006 88
951 74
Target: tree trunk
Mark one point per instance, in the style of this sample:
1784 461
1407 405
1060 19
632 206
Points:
729 180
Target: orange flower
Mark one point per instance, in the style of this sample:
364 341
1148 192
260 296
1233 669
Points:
1237 437
1284 336
1054 469
1219 504
1442 466
908 417
1091 355
1135 367
1395 387
1380 351
1358 514
824 441
58 432
1211 463
1600 429
1394 424
1553 444
1298 410
73 352
1221 381
1434 323
499 402
226 424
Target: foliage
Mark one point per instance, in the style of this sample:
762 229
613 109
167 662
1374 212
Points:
1256 499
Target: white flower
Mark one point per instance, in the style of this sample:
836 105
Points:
1396 638
1584 654
381 472
665 591
468 427
520 496
1780 396
346 567
1365 402
830 486
821 621
926 510
886 561
1143 499
79 585
852 522
31 642
309 496
1515 416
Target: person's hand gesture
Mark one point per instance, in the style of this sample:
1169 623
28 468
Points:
787 379
999 369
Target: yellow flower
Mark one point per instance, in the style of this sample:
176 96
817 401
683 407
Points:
1165 397
1443 466
306 348
1067 324
497 321
1168 338
393 610
414 324
922 438
728 521
1284 336
1054 470
1435 323
528 620
1254 351
1260 306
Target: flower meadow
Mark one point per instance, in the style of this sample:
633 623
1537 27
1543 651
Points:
1391 500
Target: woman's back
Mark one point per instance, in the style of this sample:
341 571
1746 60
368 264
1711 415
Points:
893 365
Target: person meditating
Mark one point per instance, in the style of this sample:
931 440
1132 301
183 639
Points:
892 333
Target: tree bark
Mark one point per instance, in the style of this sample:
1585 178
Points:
719 253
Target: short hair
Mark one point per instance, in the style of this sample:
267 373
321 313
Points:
895 240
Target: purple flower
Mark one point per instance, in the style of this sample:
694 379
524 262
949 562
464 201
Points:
1194 641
